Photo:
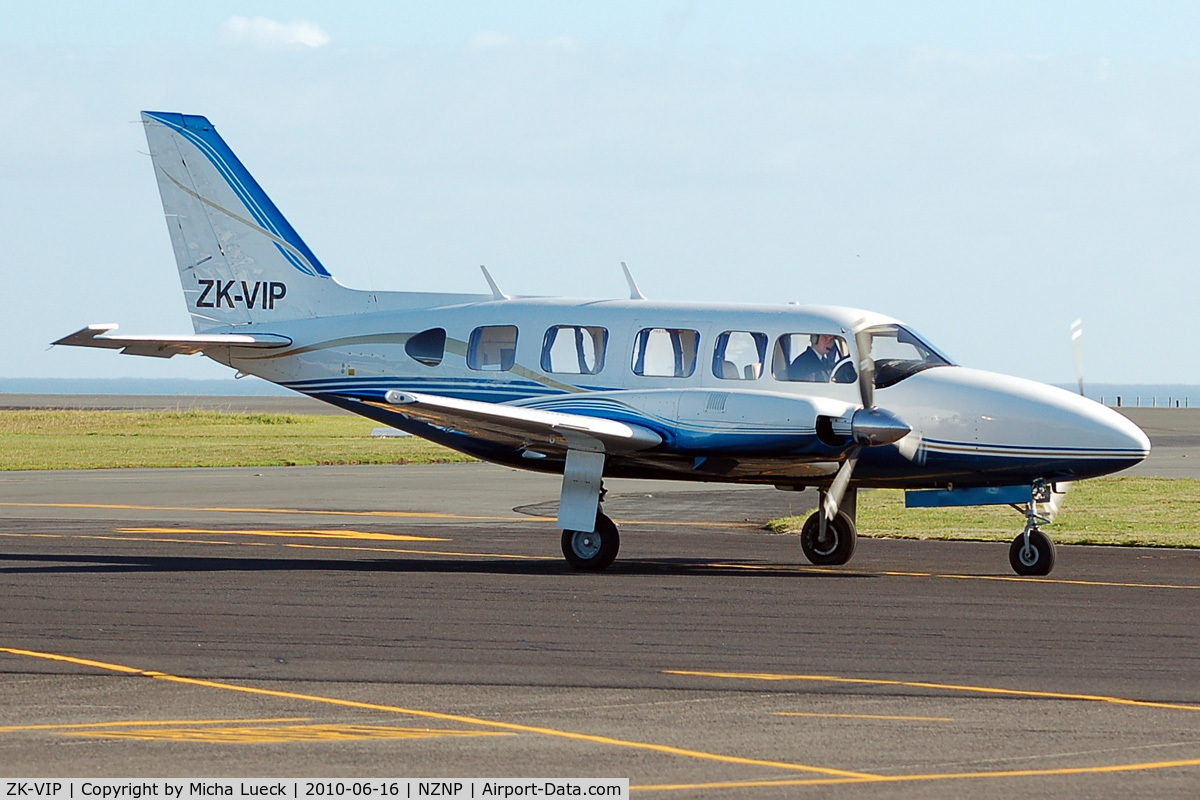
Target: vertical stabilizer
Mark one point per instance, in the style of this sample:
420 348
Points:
239 260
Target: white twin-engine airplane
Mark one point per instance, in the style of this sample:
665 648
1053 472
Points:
793 396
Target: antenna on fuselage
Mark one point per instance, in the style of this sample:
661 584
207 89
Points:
634 292
496 293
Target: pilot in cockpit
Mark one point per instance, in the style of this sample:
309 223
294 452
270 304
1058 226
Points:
816 363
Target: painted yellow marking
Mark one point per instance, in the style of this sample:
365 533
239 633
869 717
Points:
402 537
456 718
232 510
409 551
168 540
790 568
144 723
359 549
949 687
1065 582
951 576
282 733
344 513
931 777
315 533
861 716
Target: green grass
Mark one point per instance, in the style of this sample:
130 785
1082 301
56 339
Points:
1162 512
1122 511
85 439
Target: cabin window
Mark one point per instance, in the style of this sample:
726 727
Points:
493 348
739 355
665 352
428 347
812 358
574 349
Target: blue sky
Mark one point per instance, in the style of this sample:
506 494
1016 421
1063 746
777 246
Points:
986 174
746 29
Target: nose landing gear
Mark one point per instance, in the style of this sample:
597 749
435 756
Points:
1032 552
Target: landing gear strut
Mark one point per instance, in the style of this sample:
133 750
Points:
1032 552
589 538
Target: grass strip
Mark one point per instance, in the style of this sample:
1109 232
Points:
1116 510
89 439
1159 512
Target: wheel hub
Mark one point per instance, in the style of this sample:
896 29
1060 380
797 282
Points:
585 545
827 545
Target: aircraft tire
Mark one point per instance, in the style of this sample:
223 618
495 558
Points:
830 554
1038 560
594 551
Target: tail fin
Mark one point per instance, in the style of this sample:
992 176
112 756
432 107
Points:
239 260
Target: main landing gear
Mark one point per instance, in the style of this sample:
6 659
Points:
836 545
1032 552
592 551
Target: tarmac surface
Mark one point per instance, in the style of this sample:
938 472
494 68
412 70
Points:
421 622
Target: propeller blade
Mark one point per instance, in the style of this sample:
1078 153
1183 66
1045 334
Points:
837 490
1058 493
866 368
912 447
1077 341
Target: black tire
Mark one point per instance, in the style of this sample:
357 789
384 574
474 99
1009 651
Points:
1038 560
594 551
841 537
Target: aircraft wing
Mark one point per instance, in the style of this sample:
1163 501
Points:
167 346
523 427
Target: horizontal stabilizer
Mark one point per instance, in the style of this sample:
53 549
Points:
167 346
529 427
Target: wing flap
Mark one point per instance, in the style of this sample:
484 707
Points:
167 346
523 426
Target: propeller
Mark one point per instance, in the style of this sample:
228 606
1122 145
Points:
870 426
1058 493
912 447
1077 342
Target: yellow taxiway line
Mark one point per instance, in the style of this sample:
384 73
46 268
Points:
146 534
302 533
347 513
818 776
929 777
297 545
464 720
251 510
949 687
892 717
803 570
145 723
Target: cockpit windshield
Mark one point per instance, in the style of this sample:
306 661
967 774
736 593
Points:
898 352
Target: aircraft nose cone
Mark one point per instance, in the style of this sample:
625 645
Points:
1090 438
1015 427
1095 427
1129 435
